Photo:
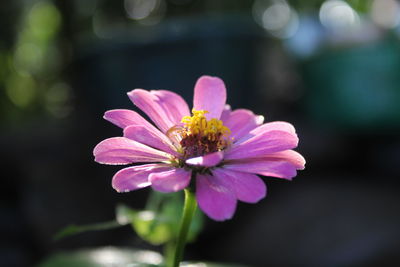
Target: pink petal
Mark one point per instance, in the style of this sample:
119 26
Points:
155 107
265 139
135 177
267 127
149 137
208 160
225 113
215 197
210 95
124 117
170 181
262 145
241 122
291 156
121 150
174 105
248 187
264 166
275 125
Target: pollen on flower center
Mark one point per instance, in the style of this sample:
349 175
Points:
201 136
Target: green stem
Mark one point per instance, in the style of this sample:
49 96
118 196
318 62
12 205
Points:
169 253
188 210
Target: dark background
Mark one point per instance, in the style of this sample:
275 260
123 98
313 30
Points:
330 68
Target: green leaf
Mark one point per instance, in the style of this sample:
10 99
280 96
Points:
124 214
147 224
160 223
152 228
77 229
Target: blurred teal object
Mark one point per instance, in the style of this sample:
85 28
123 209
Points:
355 87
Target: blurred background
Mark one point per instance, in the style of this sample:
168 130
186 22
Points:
332 68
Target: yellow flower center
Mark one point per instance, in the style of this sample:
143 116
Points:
201 136
199 125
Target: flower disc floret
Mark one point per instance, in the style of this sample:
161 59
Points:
201 136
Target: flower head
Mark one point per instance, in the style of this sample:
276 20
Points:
223 150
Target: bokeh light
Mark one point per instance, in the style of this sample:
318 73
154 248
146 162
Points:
21 89
35 61
277 17
140 9
43 21
57 100
146 12
386 13
28 57
338 15
116 257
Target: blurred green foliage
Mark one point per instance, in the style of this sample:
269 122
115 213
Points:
102 257
30 70
116 257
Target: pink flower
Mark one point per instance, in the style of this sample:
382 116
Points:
218 150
